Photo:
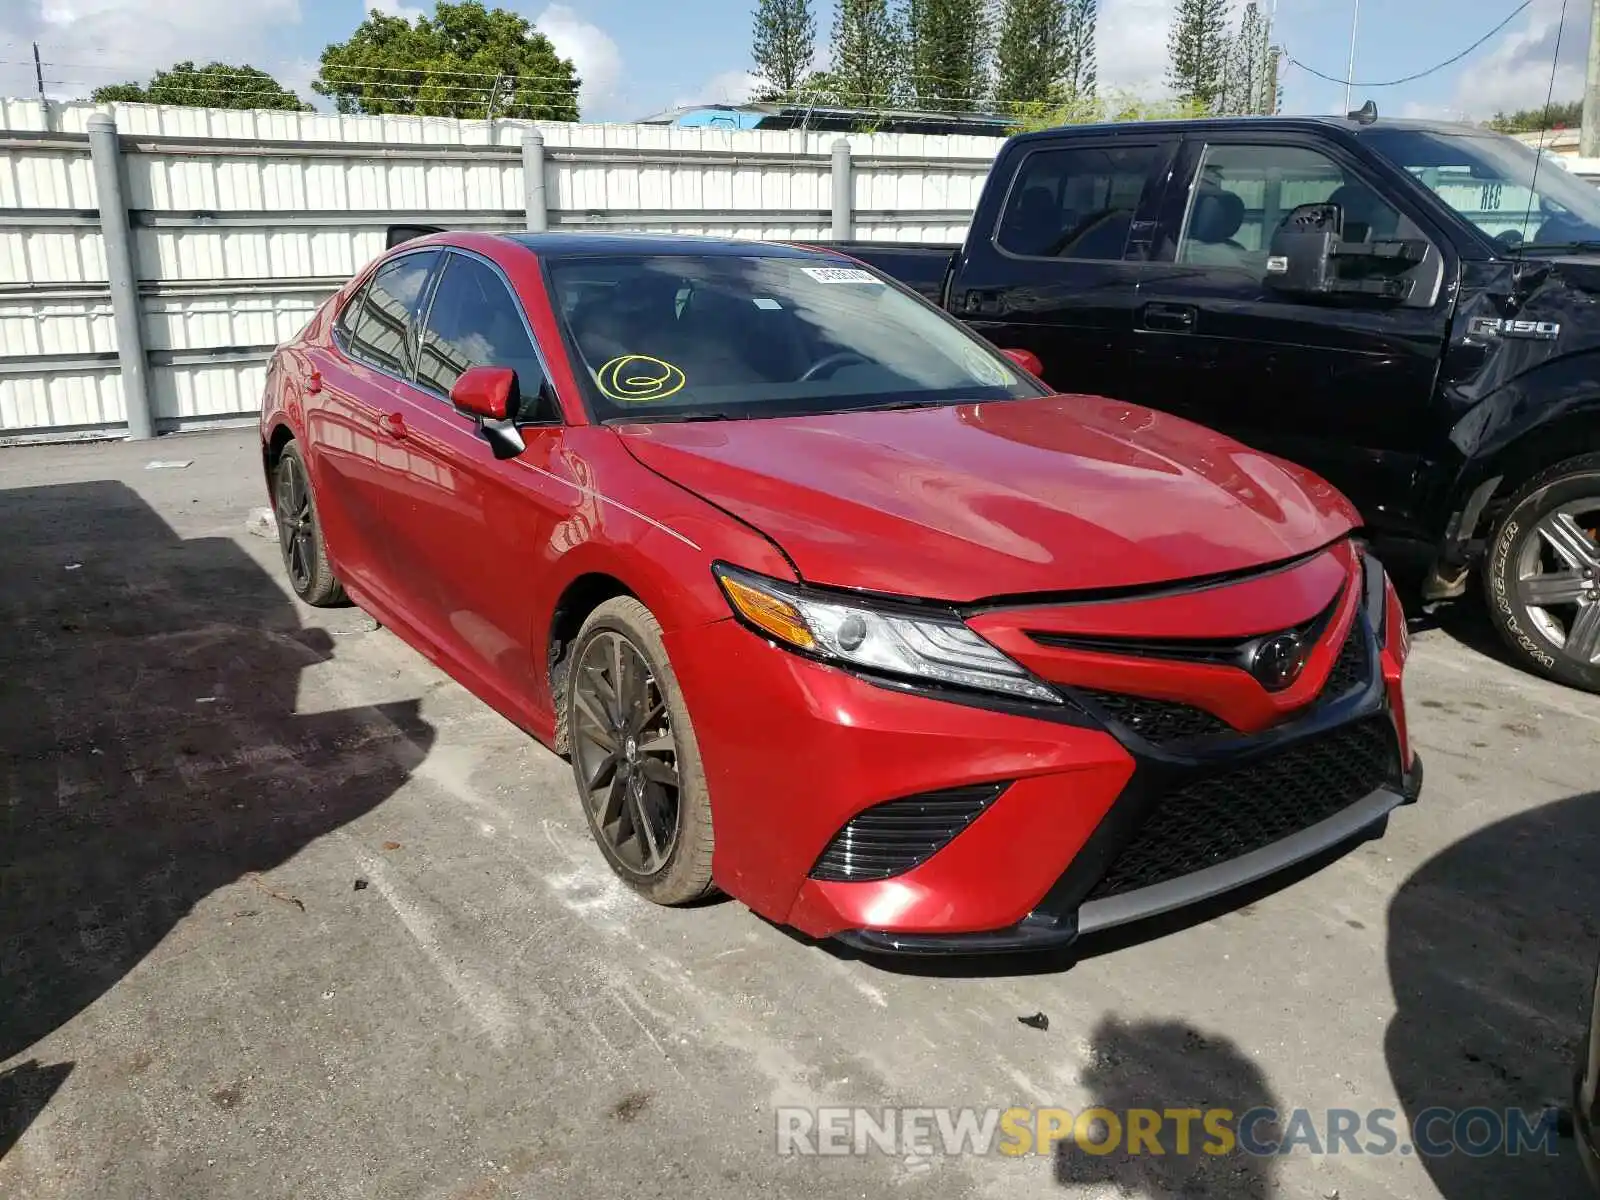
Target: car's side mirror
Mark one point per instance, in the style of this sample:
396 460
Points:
1309 258
490 395
1027 360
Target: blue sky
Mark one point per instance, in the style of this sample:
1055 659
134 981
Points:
639 56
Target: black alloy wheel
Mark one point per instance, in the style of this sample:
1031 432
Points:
305 556
635 756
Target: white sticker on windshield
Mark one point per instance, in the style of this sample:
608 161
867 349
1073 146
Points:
767 303
842 275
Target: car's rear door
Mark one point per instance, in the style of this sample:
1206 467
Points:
348 393
1342 385
1053 268
473 532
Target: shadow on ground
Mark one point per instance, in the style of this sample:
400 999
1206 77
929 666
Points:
1165 1065
1491 955
150 751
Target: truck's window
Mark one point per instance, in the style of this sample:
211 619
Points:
1075 202
1498 184
1243 193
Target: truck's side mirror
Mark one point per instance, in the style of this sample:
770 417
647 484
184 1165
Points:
1302 253
1310 258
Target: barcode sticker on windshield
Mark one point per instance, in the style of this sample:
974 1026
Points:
841 275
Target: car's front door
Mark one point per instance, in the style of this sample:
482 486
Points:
1341 385
1056 273
346 395
472 533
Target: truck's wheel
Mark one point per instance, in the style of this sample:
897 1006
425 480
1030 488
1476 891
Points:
1543 573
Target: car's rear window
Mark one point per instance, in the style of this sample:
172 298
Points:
675 336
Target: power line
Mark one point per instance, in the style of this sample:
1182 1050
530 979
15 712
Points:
1449 62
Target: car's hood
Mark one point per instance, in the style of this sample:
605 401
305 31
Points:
973 501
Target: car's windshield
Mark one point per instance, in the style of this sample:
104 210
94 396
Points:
1490 180
670 337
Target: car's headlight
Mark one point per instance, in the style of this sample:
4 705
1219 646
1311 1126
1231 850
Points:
926 646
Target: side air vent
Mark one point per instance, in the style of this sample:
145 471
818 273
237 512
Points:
891 838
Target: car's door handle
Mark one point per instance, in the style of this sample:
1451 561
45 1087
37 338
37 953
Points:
1171 318
314 383
394 424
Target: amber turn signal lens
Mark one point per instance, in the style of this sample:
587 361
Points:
777 617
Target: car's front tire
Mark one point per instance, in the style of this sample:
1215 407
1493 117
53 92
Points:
305 554
1542 576
635 757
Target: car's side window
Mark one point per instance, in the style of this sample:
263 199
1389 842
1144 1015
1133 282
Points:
346 320
1077 202
1243 194
474 321
380 331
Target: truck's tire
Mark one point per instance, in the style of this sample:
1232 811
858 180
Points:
1542 574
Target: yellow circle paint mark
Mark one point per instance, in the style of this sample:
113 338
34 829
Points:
639 379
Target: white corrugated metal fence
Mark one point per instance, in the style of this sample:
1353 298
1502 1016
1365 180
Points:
243 222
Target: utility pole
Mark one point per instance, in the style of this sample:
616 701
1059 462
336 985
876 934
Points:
38 79
1350 71
1589 140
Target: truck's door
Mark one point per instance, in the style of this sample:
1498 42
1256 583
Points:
1051 264
1343 385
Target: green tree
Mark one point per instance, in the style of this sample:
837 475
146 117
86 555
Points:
1197 47
1079 76
215 85
1250 82
867 56
784 46
1032 56
465 61
949 54
1532 120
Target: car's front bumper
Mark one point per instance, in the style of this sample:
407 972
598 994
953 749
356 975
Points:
795 751
1041 930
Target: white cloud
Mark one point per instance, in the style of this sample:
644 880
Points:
1131 46
1516 72
596 56
728 87
88 43
394 8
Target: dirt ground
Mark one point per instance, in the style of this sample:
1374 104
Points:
286 913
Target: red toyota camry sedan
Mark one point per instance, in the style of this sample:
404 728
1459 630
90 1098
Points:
832 605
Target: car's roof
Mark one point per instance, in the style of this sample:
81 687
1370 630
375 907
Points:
1232 124
564 245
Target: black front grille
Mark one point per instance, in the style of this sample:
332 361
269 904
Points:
1159 722
891 838
1224 817
1168 722
1353 668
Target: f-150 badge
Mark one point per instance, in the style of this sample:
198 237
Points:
1542 331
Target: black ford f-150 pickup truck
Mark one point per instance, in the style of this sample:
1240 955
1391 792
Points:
1411 309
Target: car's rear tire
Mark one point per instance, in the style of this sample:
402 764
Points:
635 758
305 554
1542 577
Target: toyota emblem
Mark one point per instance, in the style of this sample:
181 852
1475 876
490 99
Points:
1278 661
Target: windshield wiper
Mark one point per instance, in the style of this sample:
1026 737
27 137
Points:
702 414
1537 246
893 405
